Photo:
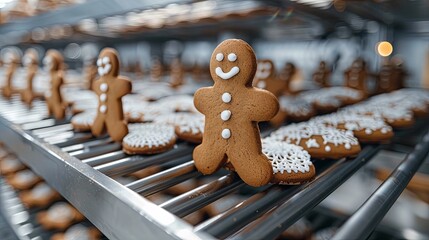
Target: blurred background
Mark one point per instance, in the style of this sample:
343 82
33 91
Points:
151 35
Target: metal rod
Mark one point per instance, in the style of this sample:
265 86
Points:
97 142
104 158
164 179
271 225
98 151
134 163
363 222
198 198
76 139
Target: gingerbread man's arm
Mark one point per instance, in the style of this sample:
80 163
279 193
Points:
202 99
262 105
124 86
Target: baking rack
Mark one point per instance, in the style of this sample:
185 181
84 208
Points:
83 168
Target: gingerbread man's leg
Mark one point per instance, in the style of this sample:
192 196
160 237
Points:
251 165
98 126
59 112
117 130
49 105
209 156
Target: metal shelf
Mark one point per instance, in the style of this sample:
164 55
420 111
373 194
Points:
81 168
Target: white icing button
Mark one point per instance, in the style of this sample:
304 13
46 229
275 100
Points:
225 115
328 148
104 87
368 131
219 57
103 108
103 97
99 62
226 133
261 84
232 57
106 60
347 146
226 97
383 130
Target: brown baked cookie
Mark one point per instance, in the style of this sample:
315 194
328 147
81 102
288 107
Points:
10 164
110 88
54 63
385 79
31 63
82 122
78 231
10 63
232 109
188 126
287 73
291 163
149 138
23 180
321 75
320 141
59 216
176 73
265 78
322 101
356 76
39 196
156 70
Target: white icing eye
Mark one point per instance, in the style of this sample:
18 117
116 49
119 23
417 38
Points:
232 57
219 57
99 62
106 60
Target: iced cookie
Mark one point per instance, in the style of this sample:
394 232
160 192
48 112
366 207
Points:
346 95
31 63
322 102
365 128
110 88
40 196
177 103
149 138
232 109
78 232
188 126
82 122
54 63
23 180
291 163
10 164
320 141
59 216
297 109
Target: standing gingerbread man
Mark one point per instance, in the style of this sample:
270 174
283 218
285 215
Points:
265 78
110 88
54 64
31 63
356 76
11 62
232 109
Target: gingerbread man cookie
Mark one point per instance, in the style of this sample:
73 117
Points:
265 78
54 64
288 73
321 76
110 88
31 63
11 61
232 109
386 79
356 76
176 74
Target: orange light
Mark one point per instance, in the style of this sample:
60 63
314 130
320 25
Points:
384 48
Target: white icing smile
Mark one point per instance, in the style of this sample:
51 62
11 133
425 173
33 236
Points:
104 70
225 76
232 57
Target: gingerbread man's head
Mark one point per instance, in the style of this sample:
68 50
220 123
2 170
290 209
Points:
53 60
265 69
233 61
108 63
10 57
31 57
